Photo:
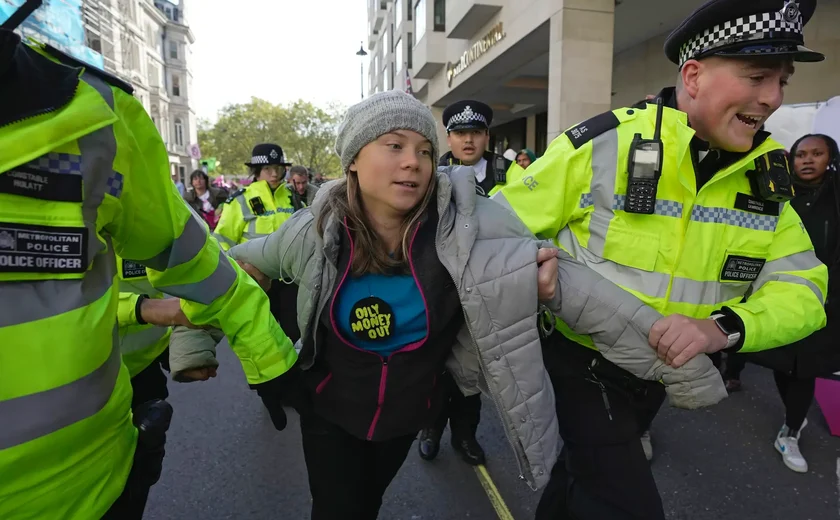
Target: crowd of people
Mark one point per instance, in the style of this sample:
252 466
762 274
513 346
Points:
643 246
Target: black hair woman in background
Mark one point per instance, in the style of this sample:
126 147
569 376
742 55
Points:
816 162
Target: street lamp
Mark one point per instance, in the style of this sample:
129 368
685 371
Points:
361 54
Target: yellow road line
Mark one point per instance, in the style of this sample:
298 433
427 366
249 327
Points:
493 493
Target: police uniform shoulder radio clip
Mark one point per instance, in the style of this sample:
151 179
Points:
771 179
644 167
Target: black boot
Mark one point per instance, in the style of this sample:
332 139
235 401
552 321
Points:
470 450
429 444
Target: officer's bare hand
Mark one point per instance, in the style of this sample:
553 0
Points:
164 313
197 374
547 273
679 339
256 274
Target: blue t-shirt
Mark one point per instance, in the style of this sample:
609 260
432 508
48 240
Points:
380 313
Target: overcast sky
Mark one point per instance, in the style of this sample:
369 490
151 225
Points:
278 50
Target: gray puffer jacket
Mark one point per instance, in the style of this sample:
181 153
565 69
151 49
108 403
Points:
491 257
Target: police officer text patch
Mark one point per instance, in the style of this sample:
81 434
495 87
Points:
39 184
26 248
133 270
741 268
372 319
588 130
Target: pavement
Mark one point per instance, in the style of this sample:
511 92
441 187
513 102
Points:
226 461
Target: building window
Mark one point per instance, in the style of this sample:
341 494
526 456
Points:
420 19
410 11
391 84
399 58
410 46
398 12
173 50
179 132
440 15
176 85
182 172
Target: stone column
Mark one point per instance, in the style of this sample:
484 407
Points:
580 62
531 133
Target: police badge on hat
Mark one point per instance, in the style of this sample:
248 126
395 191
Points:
790 11
267 154
467 114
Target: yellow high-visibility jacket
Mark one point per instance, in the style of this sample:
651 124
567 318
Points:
700 251
84 175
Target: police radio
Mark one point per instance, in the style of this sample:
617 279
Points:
771 179
644 169
499 170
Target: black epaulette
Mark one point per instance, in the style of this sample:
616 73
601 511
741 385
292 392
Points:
99 73
235 194
592 128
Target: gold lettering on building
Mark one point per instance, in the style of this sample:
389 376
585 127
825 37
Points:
477 50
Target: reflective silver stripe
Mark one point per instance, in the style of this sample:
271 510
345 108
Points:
804 261
734 217
24 302
248 216
182 250
208 290
142 339
602 187
646 282
696 292
251 236
653 284
30 417
222 238
789 278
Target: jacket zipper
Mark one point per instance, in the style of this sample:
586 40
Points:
383 378
498 405
383 381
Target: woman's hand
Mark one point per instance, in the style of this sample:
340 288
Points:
197 374
546 273
256 274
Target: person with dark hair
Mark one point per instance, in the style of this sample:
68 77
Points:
204 198
525 157
816 162
303 191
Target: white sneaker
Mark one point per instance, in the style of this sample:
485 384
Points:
788 446
647 446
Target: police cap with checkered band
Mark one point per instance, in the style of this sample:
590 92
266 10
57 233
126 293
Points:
744 28
267 154
467 114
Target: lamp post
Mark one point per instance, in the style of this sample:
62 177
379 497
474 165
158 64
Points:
361 54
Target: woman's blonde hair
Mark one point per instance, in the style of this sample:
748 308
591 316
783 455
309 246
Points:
369 253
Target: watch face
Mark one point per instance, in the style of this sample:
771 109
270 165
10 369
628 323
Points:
729 324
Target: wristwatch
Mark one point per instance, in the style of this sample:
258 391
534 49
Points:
729 326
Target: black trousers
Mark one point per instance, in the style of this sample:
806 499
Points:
602 473
797 394
462 412
283 300
148 385
348 476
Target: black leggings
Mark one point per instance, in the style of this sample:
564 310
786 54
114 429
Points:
348 476
797 394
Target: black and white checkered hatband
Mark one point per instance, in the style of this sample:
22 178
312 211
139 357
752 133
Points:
774 26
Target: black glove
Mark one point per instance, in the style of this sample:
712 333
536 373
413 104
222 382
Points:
278 392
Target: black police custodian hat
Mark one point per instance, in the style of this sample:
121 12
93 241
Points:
744 28
267 154
466 114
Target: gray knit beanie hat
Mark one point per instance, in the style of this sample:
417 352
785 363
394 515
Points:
379 114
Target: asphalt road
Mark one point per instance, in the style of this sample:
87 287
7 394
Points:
225 461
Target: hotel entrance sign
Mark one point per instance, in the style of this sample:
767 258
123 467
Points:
477 50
